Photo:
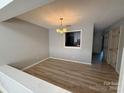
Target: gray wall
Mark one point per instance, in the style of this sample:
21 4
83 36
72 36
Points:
22 43
84 55
97 41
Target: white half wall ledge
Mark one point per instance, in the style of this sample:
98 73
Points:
30 82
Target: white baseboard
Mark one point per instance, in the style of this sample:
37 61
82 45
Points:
57 59
34 64
71 61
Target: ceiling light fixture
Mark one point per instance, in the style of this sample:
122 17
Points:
4 3
61 29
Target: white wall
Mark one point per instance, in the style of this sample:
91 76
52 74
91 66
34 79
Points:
22 43
120 48
83 55
121 78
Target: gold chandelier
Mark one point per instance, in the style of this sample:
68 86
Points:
61 29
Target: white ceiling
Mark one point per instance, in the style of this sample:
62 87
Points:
102 13
18 7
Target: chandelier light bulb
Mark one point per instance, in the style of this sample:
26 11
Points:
61 29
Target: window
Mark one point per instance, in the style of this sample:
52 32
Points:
72 39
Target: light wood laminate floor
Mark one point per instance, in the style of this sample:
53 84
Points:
76 77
